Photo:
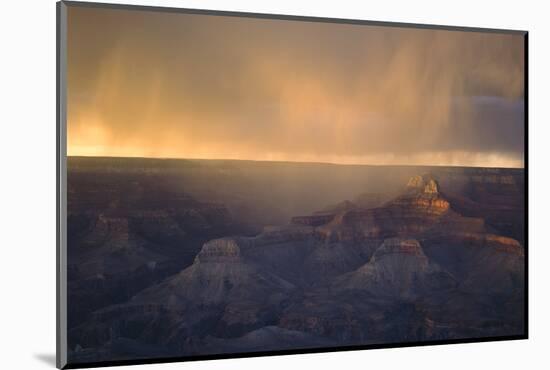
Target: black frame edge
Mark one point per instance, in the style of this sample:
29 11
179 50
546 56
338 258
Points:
526 177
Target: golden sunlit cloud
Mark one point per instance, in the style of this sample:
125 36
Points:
187 86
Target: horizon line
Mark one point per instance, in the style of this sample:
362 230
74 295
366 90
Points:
290 161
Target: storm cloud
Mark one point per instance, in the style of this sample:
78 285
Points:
195 86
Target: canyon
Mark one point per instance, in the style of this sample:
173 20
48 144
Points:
175 258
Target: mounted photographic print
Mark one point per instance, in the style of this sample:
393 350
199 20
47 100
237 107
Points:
235 184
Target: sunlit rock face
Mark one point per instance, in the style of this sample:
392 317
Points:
411 213
415 182
424 184
423 194
431 187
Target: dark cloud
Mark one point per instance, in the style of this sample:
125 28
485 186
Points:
165 84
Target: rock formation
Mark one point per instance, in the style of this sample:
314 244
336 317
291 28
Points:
399 268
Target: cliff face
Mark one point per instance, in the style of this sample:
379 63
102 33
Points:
225 250
415 267
399 268
219 274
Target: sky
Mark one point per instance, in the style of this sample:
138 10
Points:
152 84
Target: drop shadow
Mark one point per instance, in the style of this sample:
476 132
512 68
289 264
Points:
46 358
